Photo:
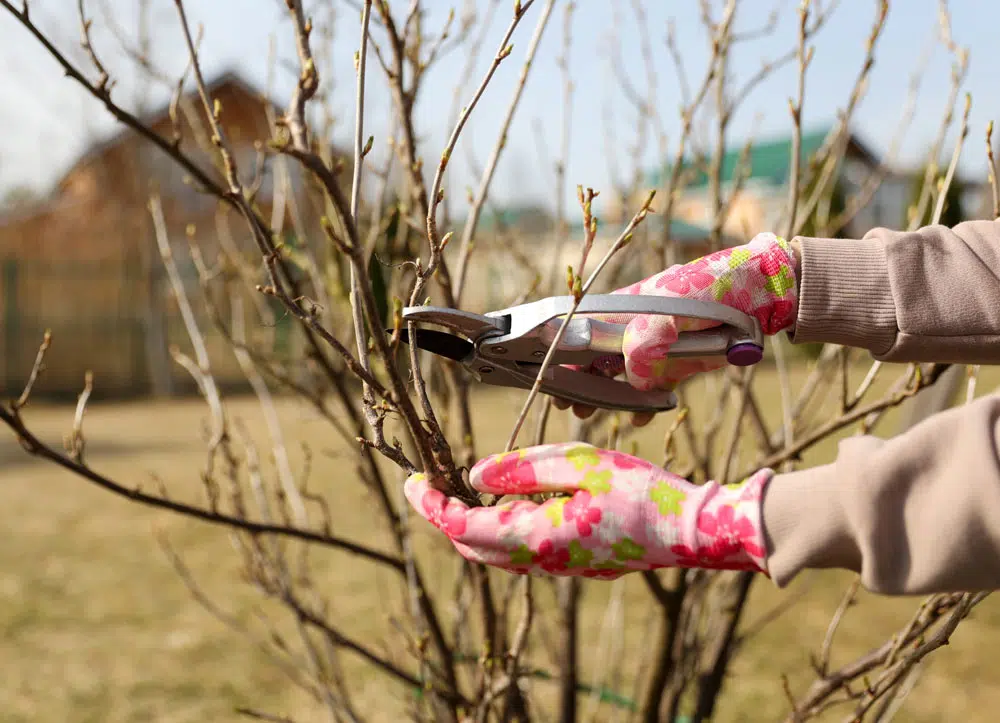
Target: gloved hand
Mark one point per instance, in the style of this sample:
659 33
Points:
616 514
758 278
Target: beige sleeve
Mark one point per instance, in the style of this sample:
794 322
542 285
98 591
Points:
918 513
931 295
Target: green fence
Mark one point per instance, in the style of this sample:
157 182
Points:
103 318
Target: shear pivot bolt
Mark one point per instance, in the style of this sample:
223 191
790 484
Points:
538 354
499 349
744 354
485 370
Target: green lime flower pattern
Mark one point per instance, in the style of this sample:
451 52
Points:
608 565
626 515
735 485
596 483
583 457
780 283
628 549
579 556
738 257
522 555
722 286
554 511
668 499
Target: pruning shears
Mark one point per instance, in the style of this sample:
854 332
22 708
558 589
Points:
507 347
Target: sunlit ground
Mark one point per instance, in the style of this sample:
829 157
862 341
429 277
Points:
97 626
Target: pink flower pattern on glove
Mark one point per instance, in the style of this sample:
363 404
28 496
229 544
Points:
613 514
758 278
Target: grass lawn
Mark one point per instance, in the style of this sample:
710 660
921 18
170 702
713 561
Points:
97 626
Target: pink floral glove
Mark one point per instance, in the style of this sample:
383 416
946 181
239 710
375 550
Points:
758 278
615 514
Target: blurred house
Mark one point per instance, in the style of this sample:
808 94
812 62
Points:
520 254
97 210
83 260
764 193
765 173
519 248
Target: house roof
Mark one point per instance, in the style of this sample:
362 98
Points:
769 159
515 215
224 79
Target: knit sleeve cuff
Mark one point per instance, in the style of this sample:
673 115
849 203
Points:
844 295
805 525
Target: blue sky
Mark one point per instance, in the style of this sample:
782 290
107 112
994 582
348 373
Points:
45 121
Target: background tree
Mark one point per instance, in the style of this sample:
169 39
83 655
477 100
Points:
952 213
460 641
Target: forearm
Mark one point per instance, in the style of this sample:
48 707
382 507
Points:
932 295
916 514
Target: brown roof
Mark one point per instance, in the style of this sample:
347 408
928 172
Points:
160 114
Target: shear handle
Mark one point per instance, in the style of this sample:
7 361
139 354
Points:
533 328
605 337
576 386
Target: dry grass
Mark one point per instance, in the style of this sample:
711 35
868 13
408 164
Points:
98 627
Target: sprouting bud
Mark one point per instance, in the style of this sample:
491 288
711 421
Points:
446 239
368 146
505 52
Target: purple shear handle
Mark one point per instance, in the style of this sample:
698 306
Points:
744 354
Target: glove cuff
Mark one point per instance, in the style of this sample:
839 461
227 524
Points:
726 533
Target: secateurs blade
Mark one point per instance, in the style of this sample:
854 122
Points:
507 347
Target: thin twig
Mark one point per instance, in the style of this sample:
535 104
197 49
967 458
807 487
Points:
435 193
619 244
953 165
206 381
34 446
36 370
465 245
992 170
75 441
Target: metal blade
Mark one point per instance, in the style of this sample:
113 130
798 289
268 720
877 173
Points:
439 342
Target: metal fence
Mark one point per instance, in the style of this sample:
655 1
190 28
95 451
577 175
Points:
103 318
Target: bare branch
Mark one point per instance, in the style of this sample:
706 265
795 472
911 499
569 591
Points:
465 245
36 370
34 446
619 244
994 187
